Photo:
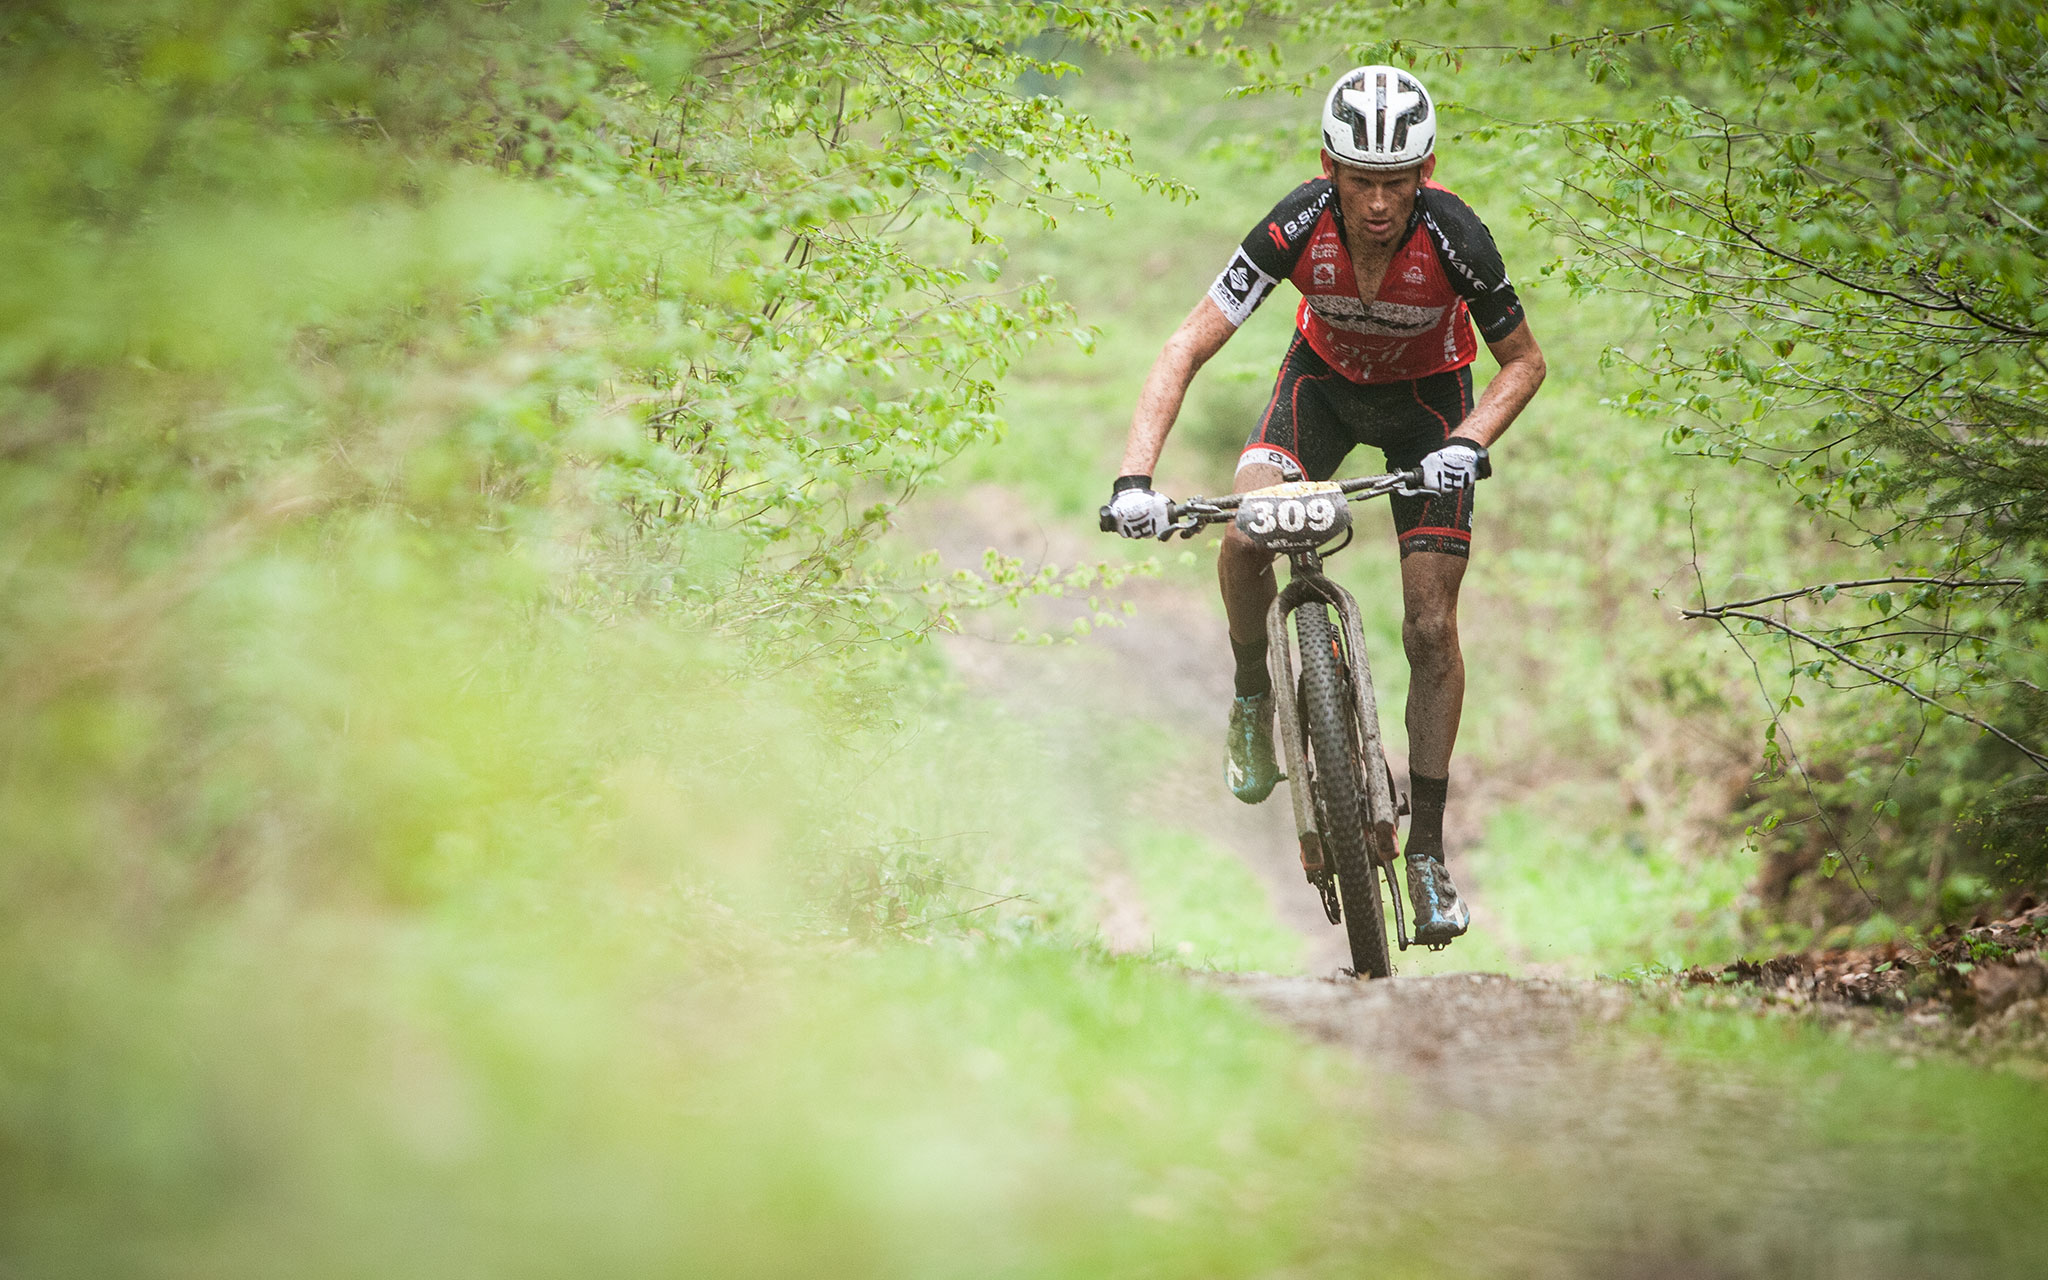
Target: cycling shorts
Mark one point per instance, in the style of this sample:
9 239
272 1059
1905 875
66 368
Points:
1318 415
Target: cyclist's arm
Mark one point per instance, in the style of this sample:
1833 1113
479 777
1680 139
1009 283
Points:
1265 258
1200 336
1521 372
1472 263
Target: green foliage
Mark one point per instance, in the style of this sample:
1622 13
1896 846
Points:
1848 292
1876 823
645 269
556 315
443 444
1835 213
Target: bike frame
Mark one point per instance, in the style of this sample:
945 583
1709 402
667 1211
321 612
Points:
1306 582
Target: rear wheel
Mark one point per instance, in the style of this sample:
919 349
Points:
1328 712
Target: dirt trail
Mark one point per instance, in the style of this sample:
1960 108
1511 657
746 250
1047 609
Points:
1523 1129
1482 1042
1526 1127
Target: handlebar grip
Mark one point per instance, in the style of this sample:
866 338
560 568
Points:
1105 521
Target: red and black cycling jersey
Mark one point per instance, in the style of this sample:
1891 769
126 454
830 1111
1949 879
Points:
1445 270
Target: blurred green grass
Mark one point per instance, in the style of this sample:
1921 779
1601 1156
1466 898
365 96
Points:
433 1101
431 937
387 887
1205 907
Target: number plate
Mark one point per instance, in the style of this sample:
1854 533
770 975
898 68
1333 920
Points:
1294 517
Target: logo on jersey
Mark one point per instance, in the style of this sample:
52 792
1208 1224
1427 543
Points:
1326 273
1381 319
1240 287
1238 284
1322 249
1413 275
1299 222
1265 455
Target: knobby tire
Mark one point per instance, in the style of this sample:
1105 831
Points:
1328 711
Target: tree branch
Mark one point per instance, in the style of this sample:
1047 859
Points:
1707 610
1721 614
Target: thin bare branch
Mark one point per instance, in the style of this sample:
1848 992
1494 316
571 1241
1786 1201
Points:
1951 584
1721 614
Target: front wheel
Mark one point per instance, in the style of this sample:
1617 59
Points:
1328 712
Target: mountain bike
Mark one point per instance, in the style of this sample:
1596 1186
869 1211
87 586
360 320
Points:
1345 806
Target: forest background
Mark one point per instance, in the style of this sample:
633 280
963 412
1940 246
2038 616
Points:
479 793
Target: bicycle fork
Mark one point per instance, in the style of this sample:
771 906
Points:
1307 583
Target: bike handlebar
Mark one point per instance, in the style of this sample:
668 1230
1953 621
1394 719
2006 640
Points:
1186 517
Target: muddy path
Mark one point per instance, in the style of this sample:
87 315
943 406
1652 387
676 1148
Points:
1524 1125
1533 1127
1480 1042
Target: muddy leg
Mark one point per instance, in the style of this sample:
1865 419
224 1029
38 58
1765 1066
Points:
1436 667
1245 571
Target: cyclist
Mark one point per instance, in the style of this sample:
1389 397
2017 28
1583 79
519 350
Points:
1393 270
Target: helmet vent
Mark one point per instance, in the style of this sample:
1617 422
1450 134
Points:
1379 117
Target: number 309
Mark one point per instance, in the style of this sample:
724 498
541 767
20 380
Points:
1291 515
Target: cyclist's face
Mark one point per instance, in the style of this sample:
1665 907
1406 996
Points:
1376 205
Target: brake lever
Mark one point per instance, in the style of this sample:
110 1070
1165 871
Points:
1190 522
1420 489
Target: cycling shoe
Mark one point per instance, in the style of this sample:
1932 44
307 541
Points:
1440 914
1251 769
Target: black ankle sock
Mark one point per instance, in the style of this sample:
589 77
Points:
1427 797
1252 677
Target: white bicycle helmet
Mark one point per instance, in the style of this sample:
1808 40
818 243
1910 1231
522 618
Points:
1379 118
